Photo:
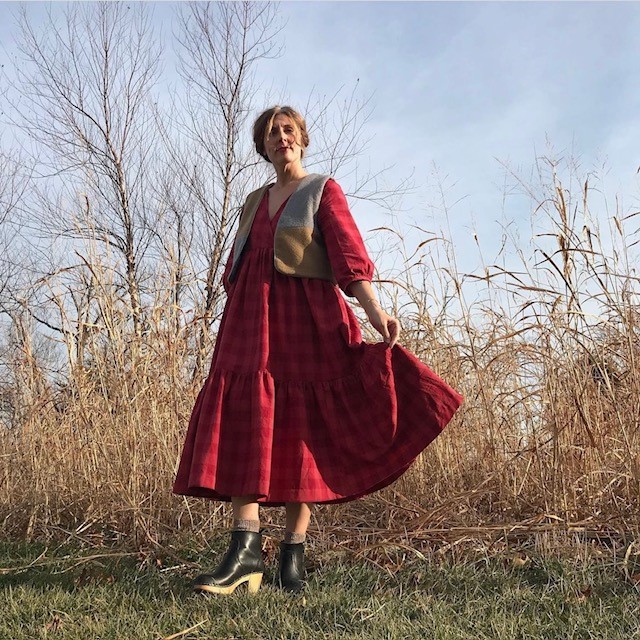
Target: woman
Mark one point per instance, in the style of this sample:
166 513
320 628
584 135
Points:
297 409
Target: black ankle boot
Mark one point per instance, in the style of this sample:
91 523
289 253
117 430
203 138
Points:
291 570
241 563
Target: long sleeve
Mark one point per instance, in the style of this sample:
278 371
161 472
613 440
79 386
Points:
348 256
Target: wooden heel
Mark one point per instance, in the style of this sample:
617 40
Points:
255 580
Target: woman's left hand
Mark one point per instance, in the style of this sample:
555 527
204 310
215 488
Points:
380 320
383 323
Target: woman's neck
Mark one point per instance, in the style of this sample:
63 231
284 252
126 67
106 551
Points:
289 173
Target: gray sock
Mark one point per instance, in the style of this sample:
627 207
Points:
247 525
294 538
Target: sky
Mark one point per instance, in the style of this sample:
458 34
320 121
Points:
460 88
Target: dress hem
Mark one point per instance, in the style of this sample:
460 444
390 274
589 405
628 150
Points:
354 494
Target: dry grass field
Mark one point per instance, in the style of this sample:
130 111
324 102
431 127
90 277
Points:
115 222
547 440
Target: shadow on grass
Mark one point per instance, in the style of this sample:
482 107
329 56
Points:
73 570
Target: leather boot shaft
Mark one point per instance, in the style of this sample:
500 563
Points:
291 570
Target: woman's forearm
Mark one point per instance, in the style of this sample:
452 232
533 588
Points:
386 325
364 294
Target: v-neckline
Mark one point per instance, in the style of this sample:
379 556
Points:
276 215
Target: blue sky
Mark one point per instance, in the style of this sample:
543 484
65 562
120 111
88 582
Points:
461 85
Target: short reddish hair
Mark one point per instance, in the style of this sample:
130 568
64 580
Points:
264 122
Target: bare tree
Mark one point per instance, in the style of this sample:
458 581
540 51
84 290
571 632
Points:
86 98
221 48
15 178
85 88
14 270
221 45
338 126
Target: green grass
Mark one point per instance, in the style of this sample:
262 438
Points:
67 594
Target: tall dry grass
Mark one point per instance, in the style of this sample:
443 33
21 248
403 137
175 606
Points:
546 359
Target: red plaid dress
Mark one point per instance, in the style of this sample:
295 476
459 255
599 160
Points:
296 407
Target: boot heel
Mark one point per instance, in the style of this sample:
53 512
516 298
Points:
255 580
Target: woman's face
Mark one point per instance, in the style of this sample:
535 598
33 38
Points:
282 143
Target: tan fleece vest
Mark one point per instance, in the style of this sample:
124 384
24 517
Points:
299 248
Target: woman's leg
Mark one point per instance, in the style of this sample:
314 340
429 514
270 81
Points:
298 517
291 570
246 514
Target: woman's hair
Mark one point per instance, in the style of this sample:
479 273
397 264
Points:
264 122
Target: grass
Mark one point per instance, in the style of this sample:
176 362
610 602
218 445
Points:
78 592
